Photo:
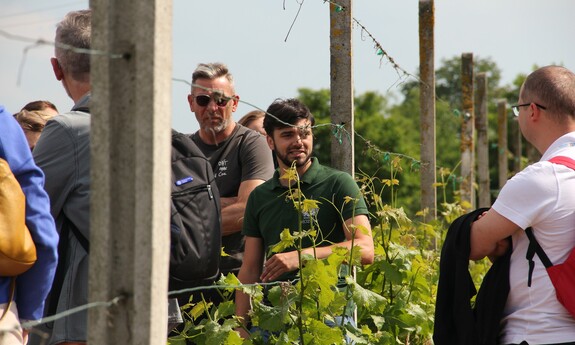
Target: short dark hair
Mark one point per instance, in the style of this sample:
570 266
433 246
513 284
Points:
285 112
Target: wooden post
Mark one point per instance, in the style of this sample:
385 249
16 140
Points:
427 106
130 144
502 161
342 111
467 132
481 123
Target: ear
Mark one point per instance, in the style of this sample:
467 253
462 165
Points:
535 112
57 69
191 102
270 141
236 101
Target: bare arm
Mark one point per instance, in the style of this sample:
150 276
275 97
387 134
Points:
287 262
233 208
488 234
249 274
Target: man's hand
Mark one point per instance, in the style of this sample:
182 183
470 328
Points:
279 264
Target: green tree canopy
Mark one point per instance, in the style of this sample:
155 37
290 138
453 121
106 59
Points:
384 130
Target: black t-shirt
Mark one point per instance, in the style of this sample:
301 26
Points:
243 156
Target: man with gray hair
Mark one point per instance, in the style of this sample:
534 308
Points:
239 156
63 153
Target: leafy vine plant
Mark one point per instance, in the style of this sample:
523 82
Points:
393 298
308 310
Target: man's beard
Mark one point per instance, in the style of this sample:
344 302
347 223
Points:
218 128
288 162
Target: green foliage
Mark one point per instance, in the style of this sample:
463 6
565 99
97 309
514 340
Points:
394 296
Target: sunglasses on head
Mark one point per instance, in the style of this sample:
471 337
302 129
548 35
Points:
220 100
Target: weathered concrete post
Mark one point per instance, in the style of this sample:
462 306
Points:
467 131
427 106
342 111
482 142
130 144
502 161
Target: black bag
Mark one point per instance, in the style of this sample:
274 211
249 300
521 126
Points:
195 216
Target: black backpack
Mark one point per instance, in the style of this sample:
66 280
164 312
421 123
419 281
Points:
195 216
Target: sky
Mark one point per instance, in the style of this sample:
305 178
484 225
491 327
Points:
269 60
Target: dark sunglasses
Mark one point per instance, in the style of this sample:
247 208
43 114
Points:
221 101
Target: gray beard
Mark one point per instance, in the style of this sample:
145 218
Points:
218 128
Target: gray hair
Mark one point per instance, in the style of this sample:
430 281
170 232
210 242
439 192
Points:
212 71
74 31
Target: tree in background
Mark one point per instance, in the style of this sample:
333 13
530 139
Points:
382 128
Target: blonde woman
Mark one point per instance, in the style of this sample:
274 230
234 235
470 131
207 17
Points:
33 122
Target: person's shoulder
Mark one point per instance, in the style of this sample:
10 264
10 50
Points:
12 139
66 127
329 171
266 187
8 121
536 170
72 119
248 134
539 177
4 114
254 145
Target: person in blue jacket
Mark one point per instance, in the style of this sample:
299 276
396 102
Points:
33 286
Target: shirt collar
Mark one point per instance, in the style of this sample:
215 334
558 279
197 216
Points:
561 146
83 102
307 178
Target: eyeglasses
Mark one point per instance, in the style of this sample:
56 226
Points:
220 100
515 108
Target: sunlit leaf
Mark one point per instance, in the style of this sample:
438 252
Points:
199 309
310 205
290 175
366 298
323 334
286 241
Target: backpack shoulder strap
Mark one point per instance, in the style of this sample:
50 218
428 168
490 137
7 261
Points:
184 146
60 275
84 242
566 161
535 248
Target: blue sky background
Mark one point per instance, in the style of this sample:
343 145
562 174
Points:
250 35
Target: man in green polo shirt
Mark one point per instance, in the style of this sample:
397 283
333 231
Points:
269 211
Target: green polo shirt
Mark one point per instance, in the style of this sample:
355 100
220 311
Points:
269 212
